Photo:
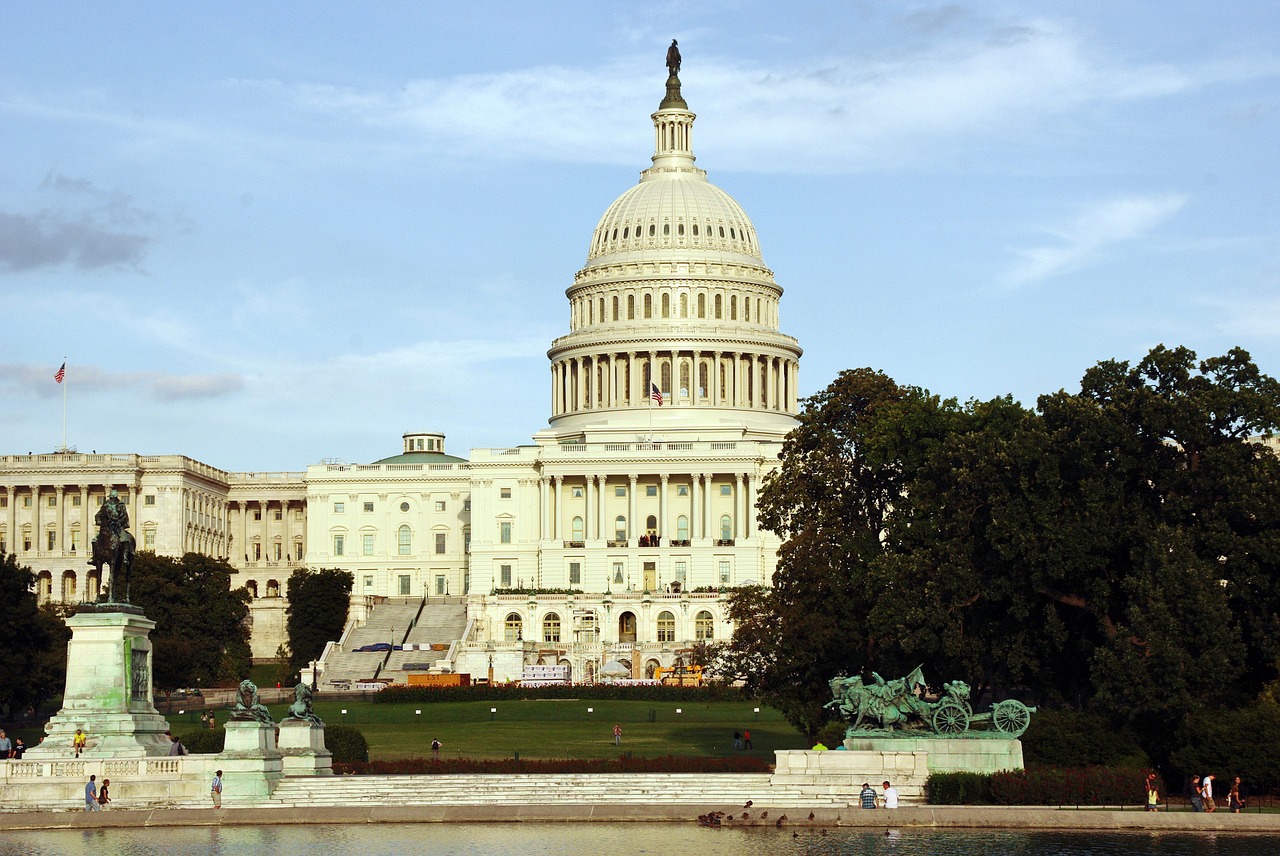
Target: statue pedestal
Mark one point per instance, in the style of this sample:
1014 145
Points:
108 689
302 745
251 764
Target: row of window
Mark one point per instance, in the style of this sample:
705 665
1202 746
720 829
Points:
51 540
651 527
617 573
404 542
404 583
665 626
650 490
368 507
593 310
696 230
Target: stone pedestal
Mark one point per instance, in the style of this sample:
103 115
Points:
252 766
302 745
108 689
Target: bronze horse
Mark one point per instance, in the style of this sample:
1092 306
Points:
116 553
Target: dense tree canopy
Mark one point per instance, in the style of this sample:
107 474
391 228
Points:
317 612
27 634
1112 548
201 637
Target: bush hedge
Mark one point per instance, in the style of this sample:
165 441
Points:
1243 742
204 741
1073 738
625 763
1041 785
347 744
585 692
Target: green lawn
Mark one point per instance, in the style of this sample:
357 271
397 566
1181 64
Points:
553 729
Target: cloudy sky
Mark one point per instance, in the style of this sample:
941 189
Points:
265 234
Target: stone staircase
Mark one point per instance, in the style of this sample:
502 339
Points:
440 623
712 791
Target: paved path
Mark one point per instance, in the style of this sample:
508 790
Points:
957 817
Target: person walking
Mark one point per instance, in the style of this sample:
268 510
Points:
746 738
890 795
1197 798
1206 792
617 734
215 789
737 740
91 795
103 796
1235 801
867 798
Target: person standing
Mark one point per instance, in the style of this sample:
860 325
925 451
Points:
91 795
737 740
890 795
617 734
215 789
746 738
1197 799
103 796
18 748
1153 794
1206 792
435 749
80 741
6 746
1235 801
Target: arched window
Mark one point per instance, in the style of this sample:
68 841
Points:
577 529
746 309
252 587
702 306
273 588
702 379
695 230
512 628
631 307
666 305
68 586
666 377
648 306
620 528
602 310
726 528
680 230
651 524
615 308
651 669
666 627
719 305
684 306
551 627
627 627
684 378
682 527
733 308
704 627
405 537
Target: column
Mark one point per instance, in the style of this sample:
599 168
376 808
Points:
243 549
749 522
36 535
695 507
11 523
61 516
664 509
557 484
631 508
613 380
555 409
544 504
714 377
655 375
631 379
602 494
286 534
739 500
86 520
592 529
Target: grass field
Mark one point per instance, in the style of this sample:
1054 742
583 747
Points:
552 729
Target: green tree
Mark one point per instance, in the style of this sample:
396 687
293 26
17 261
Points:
317 612
201 636
25 637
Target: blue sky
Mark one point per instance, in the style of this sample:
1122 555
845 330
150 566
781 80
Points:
266 234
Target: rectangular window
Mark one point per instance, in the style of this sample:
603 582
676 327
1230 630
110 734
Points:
505 575
339 507
26 543
406 541
297 515
75 541
651 490
4 546
257 551
51 540
367 544
53 502
466 540
405 583
275 551
279 514
75 502
149 539
339 545
26 502
575 573
368 507
726 490
440 587
149 499
617 573
619 491
297 551
257 514
505 493
504 532
577 493
682 490
724 573
682 572
368 582
466 505
440 542
440 505
4 501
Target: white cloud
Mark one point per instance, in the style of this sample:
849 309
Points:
1103 225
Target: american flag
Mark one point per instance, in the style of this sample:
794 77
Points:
62 373
655 393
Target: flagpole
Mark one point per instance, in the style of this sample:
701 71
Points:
64 410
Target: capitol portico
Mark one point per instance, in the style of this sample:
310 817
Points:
613 536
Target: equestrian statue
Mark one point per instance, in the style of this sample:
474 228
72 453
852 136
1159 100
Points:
113 546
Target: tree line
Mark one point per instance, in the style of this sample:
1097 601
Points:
1114 549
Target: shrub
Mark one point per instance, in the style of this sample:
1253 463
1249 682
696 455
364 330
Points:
346 743
625 763
831 735
1072 738
959 789
1243 742
204 741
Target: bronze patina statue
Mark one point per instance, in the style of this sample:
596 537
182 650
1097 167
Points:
114 545
882 706
248 708
673 58
301 710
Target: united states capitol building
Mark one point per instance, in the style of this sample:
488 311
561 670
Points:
611 537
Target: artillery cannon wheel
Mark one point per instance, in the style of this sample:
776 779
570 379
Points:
1011 717
950 718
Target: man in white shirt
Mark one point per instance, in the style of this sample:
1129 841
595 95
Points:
890 796
1207 795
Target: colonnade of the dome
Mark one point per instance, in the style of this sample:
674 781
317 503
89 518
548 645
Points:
686 378
733 302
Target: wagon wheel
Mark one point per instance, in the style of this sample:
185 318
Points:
950 718
1011 717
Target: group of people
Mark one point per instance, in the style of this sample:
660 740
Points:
11 749
742 739
888 798
1202 794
